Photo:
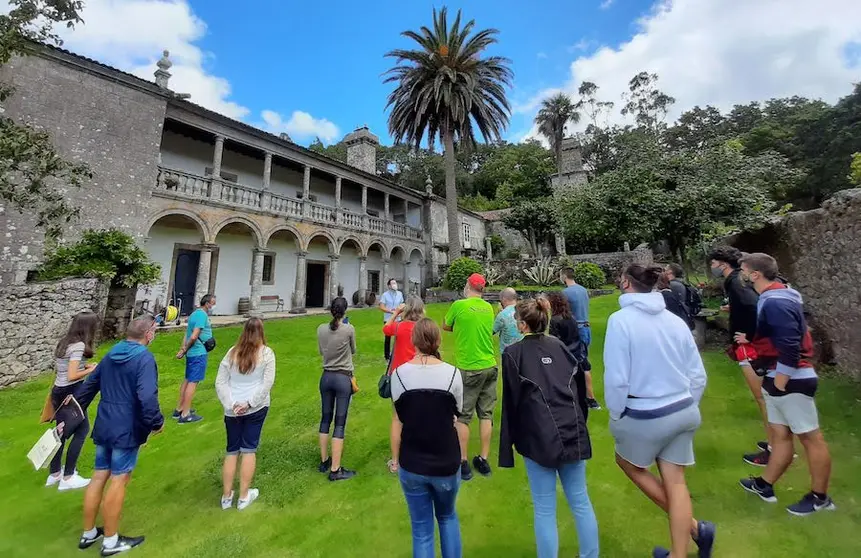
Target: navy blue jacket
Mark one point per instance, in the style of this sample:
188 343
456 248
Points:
128 410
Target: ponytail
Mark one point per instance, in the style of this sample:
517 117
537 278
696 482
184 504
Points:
534 313
338 309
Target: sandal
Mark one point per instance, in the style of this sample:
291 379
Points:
392 465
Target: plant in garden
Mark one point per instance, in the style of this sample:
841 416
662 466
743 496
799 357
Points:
542 273
459 271
589 275
497 244
108 254
493 274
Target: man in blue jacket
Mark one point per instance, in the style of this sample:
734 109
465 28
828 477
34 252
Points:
128 413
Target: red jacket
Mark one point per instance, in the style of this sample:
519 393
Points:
404 348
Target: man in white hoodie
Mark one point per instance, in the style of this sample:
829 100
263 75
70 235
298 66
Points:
653 381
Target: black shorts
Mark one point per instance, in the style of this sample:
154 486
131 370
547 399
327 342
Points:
243 432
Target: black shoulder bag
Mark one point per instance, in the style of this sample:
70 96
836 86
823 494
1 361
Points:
384 385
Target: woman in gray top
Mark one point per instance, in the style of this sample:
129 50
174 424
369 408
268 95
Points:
71 355
337 343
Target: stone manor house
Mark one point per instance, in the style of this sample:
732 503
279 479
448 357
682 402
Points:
223 207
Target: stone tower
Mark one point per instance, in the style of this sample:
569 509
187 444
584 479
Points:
572 167
362 149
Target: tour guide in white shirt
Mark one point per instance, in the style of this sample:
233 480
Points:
389 301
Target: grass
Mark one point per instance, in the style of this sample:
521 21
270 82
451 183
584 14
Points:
174 497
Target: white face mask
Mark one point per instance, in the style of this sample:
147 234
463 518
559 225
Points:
393 286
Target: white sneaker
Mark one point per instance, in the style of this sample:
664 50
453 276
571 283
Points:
53 480
74 482
253 493
227 503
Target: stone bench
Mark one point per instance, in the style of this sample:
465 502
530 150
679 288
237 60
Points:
269 300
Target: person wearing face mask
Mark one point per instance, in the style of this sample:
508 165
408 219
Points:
654 379
128 413
783 347
197 333
389 301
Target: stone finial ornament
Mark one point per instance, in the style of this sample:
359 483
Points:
161 74
429 185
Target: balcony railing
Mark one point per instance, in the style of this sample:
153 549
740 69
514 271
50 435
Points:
194 187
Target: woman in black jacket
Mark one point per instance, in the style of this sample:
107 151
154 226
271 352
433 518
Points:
563 326
544 413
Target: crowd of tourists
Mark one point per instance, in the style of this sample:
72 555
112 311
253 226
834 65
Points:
654 380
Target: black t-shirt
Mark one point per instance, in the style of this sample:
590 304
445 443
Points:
742 305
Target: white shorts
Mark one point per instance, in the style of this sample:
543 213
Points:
795 410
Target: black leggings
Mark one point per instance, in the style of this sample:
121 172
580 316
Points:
78 436
387 348
336 389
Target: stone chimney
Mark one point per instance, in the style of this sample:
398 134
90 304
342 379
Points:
162 74
572 160
362 149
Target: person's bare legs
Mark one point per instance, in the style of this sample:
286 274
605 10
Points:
324 447
182 387
754 383
818 460
395 438
679 506
651 486
93 497
246 473
188 396
589 392
463 438
486 432
228 474
781 453
113 504
337 451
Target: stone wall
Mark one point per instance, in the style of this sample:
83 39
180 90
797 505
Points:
818 251
36 315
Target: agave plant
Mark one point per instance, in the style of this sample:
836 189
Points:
542 273
492 274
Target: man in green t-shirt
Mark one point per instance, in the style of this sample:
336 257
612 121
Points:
471 320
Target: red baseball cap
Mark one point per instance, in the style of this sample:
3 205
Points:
477 281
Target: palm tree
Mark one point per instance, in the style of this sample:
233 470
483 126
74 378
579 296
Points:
446 90
556 113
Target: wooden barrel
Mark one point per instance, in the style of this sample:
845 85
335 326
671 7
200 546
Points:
244 306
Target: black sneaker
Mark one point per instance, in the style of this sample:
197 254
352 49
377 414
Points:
341 474
763 446
705 538
325 465
124 544
593 404
86 543
757 459
189 418
766 493
481 465
811 504
177 413
465 471
660 552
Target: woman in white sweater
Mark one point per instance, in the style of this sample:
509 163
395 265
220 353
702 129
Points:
245 377
653 382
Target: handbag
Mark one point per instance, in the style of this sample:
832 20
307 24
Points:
354 385
48 410
70 414
209 344
384 385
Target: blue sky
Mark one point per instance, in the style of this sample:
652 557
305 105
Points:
314 69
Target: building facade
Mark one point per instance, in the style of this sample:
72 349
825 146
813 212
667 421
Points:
224 207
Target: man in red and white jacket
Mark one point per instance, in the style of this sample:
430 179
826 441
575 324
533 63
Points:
783 348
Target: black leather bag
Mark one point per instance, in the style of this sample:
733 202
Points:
209 344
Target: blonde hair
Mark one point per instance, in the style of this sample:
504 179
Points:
414 309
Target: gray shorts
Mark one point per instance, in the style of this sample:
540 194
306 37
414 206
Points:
670 438
795 410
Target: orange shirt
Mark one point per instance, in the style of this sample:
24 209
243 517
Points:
404 348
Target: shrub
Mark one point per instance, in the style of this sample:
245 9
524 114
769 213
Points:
492 274
542 273
459 271
589 275
512 254
497 245
108 254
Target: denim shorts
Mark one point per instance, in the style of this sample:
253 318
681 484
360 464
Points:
120 461
195 368
243 432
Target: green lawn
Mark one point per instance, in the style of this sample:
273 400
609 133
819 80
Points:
174 498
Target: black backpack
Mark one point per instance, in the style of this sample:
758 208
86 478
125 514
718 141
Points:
693 299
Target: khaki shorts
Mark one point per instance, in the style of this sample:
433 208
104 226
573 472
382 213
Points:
479 394
795 410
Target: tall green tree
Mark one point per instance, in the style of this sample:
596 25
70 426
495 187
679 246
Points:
555 114
31 170
445 90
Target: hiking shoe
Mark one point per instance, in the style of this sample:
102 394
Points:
757 459
811 504
253 493
763 446
73 482
325 465
124 544
177 413
87 542
705 538
340 474
660 552
481 465
593 404
227 501
189 418
465 471
765 492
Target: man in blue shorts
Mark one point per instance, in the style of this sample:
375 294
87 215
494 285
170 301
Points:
578 300
128 413
198 332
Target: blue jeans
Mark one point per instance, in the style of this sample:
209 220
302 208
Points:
542 484
426 497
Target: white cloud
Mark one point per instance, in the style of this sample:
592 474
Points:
541 55
300 126
606 4
723 52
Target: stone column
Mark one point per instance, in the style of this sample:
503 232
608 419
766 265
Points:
363 280
297 300
387 206
333 276
306 194
256 281
384 280
215 192
364 207
406 211
266 198
488 248
338 199
201 285
422 279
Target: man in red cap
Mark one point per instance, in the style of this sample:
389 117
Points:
471 320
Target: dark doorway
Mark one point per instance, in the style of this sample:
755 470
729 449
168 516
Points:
315 293
374 282
185 279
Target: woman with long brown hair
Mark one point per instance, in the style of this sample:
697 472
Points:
244 380
71 356
563 326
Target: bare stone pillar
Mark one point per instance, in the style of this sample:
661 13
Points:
364 207
256 281
422 279
338 199
297 301
201 285
363 280
215 192
266 197
306 195
560 244
333 277
385 278
386 206
488 248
